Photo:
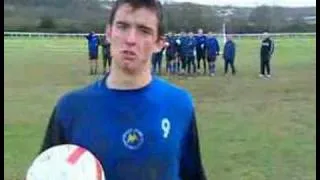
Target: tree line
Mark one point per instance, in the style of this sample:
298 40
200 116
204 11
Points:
75 16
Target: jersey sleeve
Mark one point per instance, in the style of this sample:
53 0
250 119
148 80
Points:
191 167
54 133
271 47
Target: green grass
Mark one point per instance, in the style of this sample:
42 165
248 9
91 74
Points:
250 128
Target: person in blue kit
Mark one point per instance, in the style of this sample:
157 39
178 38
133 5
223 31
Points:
93 47
229 52
212 51
128 118
201 42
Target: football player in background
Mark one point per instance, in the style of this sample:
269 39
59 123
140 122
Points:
212 51
157 61
229 53
105 44
183 51
171 53
93 47
266 51
191 44
201 42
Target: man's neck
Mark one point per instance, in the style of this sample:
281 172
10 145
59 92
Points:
121 80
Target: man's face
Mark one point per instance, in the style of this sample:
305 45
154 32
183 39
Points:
134 37
265 35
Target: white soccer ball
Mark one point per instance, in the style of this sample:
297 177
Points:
65 162
166 44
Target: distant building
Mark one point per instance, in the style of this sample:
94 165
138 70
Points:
289 19
310 19
305 19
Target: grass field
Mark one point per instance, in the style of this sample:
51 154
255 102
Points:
250 128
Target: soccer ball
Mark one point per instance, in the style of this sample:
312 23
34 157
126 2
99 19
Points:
166 44
65 162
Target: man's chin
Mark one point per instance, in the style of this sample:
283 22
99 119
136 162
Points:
130 68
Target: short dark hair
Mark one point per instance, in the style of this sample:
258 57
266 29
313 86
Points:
153 5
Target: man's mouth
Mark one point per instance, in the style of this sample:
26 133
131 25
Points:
129 55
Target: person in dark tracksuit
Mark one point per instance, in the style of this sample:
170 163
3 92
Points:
157 61
266 51
178 61
212 51
201 41
183 50
229 52
171 53
190 53
106 54
166 44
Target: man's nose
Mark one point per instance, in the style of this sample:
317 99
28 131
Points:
131 37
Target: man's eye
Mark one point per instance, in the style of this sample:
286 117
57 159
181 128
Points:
122 26
145 31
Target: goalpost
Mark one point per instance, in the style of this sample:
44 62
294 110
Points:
224 36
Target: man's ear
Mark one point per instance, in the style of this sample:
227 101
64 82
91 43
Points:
159 44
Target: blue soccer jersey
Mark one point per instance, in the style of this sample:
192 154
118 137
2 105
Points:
143 134
201 42
93 42
212 46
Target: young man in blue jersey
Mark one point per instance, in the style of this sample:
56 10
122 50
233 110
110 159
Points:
93 47
229 53
212 51
201 42
128 119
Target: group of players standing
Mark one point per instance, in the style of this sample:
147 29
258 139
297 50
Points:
185 51
183 54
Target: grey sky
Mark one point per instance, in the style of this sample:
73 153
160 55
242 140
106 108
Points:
250 3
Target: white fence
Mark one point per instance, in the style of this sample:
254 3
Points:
81 35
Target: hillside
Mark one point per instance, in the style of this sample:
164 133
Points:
84 15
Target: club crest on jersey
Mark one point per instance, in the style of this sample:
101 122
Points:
132 139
